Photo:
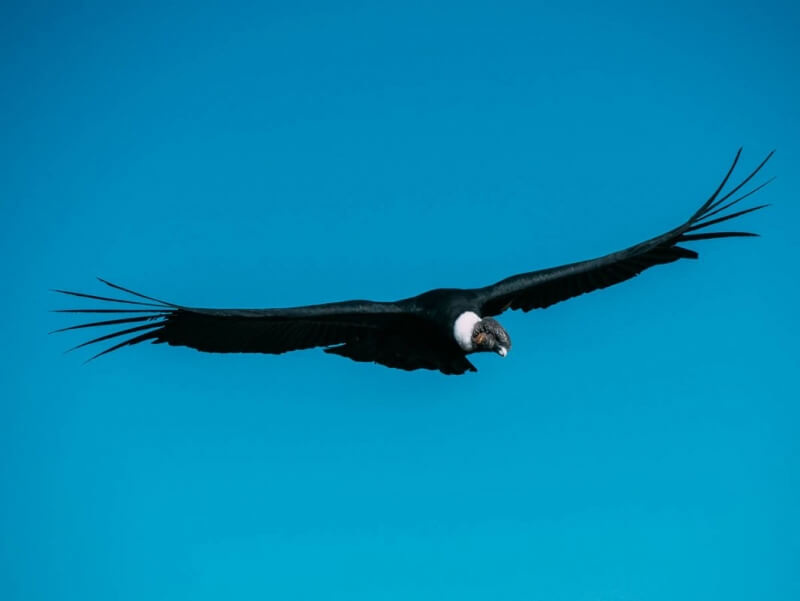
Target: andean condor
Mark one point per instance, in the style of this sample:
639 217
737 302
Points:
434 330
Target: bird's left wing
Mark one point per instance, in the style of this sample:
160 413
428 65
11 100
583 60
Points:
386 333
539 289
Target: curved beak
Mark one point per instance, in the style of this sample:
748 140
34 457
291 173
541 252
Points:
502 351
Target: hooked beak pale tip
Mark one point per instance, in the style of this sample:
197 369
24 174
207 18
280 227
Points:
502 351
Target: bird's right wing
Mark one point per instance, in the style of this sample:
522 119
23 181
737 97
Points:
539 289
385 333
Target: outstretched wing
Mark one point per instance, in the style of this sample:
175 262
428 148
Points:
385 333
539 289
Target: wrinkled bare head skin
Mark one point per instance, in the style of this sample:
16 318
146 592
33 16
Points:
489 335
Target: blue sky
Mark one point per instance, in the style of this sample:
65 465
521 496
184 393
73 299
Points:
637 443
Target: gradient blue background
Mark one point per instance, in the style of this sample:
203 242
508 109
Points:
639 443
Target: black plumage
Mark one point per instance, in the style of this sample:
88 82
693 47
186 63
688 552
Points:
414 333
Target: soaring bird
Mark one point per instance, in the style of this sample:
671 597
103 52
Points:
435 330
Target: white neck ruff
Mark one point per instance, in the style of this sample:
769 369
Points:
463 328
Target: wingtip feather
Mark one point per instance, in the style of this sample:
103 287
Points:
129 291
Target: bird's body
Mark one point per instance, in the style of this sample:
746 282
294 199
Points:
436 330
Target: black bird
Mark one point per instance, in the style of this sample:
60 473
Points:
435 330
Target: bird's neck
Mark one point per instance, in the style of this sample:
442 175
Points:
463 328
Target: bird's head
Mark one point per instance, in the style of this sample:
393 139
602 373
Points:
489 335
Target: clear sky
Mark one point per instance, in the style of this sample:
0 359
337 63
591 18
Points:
638 443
